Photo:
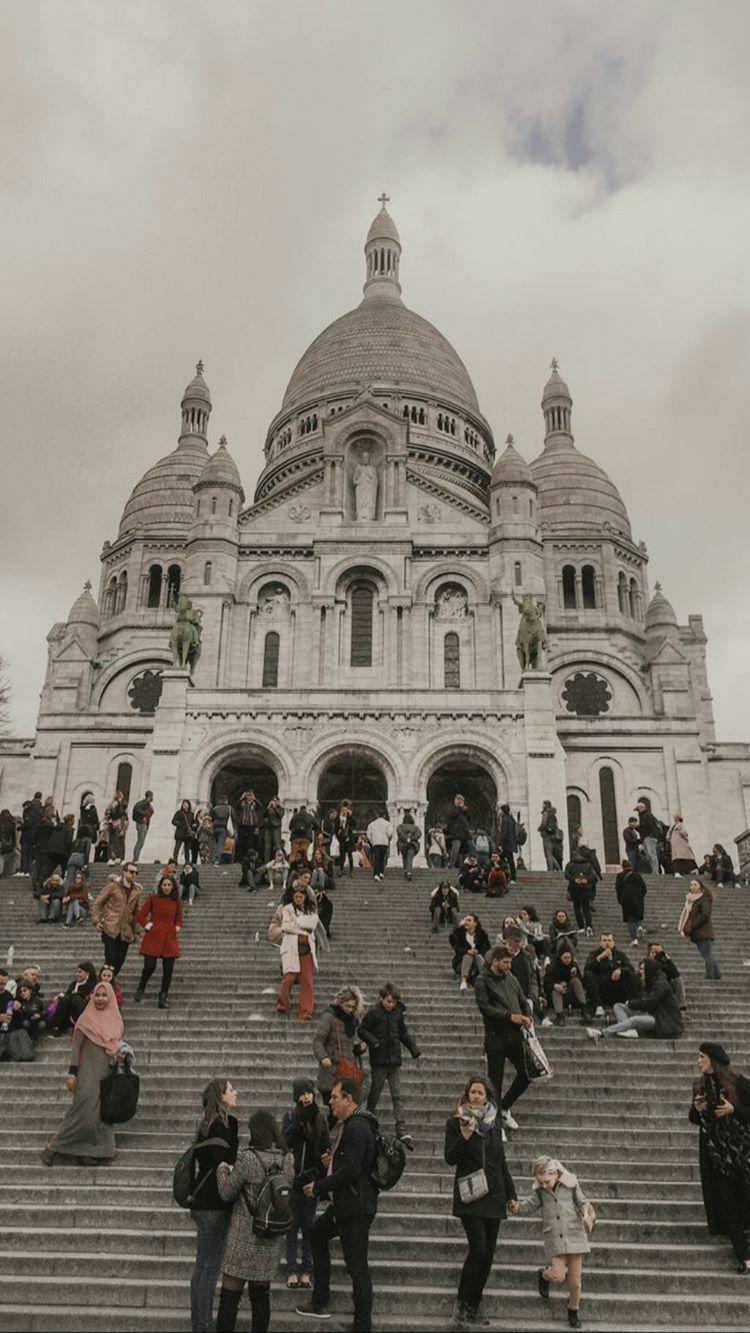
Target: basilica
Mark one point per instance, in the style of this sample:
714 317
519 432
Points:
360 615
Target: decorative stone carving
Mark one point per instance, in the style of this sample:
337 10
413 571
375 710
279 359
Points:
365 482
299 513
586 694
429 513
274 603
452 604
145 692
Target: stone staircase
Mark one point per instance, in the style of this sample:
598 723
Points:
106 1249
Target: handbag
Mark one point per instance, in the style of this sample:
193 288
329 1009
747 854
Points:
475 1185
335 848
536 1062
346 1068
118 1094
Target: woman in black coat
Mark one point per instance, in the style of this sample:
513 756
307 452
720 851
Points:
469 942
72 1002
562 933
474 1144
721 1109
184 832
630 888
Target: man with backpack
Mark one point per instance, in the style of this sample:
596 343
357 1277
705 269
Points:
142 814
354 1201
552 838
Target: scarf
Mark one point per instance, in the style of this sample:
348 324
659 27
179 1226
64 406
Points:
485 1116
102 1026
690 900
727 1139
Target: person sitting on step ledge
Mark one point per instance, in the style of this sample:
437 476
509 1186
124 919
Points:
563 986
654 1012
562 933
497 879
472 878
443 906
670 970
608 975
469 942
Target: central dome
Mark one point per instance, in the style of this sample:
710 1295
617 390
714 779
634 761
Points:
381 342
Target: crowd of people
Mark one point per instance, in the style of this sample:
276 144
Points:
326 1149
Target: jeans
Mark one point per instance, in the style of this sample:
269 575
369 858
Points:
507 853
76 912
651 854
407 856
50 911
633 856
27 857
634 922
355 1239
299 1257
575 989
115 951
379 854
481 1233
455 853
140 838
706 952
441 917
76 861
511 1050
629 1022
379 1076
211 1227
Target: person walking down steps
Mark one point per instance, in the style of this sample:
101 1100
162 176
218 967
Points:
161 917
567 1218
384 1030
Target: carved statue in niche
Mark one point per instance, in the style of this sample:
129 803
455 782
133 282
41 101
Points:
452 604
185 637
274 603
365 481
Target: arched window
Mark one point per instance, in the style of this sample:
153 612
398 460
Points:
213 505
588 587
610 826
174 578
231 508
634 599
122 592
207 574
362 615
153 596
198 508
452 662
515 504
110 598
569 587
574 818
622 593
271 660
124 779
517 573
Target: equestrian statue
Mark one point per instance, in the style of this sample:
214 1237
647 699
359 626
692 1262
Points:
185 638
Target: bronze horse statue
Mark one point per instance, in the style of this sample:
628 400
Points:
185 637
531 639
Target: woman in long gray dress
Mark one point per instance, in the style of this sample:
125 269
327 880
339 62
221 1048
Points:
83 1139
247 1257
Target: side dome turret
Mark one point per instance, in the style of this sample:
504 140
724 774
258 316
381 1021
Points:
162 501
661 621
220 471
84 610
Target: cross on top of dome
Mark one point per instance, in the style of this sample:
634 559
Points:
384 199
199 367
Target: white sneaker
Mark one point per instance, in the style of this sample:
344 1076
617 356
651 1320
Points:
508 1120
547 1023
677 874
598 1012
464 986
631 1032
594 1033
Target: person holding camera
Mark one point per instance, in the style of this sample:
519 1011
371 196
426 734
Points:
483 1189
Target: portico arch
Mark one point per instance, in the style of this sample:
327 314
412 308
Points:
246 767
355 770
462 772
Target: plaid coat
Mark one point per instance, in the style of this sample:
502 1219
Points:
253 1258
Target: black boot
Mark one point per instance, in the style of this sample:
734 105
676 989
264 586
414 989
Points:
573 1319
542 1284
163 1005
226 1316
139 994
475 1318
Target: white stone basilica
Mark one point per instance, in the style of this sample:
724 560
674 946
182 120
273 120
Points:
360 616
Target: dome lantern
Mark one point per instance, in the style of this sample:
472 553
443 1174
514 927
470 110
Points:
382 255
557 406
196 407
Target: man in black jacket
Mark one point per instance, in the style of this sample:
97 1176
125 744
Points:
670 970
60 845
608 976
504 1010
384 1030
142 814
630 891
354 1203
508 839
457 831
649 832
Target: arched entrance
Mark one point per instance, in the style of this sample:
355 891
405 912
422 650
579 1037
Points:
353 776
455 775
244 771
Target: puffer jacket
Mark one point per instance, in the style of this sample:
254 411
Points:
385 1031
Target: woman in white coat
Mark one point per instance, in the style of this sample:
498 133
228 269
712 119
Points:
299 960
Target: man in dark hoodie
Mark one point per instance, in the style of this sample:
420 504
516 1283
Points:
457 831
305 1132
384 1030
354 1203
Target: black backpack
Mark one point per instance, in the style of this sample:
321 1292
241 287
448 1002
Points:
184 1187
272 1215
390 1161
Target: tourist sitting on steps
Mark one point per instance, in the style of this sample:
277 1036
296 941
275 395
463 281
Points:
497 878
504 1011
608 976
654 1012
670 970
563 986
249 1257
437 853
209 1212
567 1217
721 1108
483 1190
630 891
384 1031
562 933
469 942
27 1013
49 898
190 883
83 1138
75 900
305 1132
528 921
472 878
336 1045
443 906
161 919
67 1006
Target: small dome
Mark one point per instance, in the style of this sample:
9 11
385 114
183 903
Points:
163 499
660 616
220 470
197 388
511 466
383 228
84 610
555 386
576 494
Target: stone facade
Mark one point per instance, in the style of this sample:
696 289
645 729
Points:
360 616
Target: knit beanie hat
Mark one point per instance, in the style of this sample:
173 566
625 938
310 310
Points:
717 1054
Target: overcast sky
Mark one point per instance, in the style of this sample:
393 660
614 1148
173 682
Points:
185 178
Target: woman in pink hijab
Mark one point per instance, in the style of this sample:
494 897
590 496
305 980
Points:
83 1139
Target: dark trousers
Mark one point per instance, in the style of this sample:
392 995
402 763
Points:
581 906
115 951
607 993
149 967
355 1239
247 841
511 863
345 854
511 1050
379 855
481 1233
211 1227
260 1306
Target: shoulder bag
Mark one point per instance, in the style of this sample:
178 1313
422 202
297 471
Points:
346 1068
475 1185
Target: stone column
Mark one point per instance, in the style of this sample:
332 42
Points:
545 760
162 761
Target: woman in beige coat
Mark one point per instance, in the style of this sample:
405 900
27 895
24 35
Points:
683 859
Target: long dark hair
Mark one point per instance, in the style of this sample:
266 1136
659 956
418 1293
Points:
162 882
264 1130
214 1106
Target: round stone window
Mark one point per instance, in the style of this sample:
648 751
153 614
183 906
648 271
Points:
145 692
586 694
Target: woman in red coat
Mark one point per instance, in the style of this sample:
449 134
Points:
161 918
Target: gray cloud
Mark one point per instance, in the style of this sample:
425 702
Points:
185 180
